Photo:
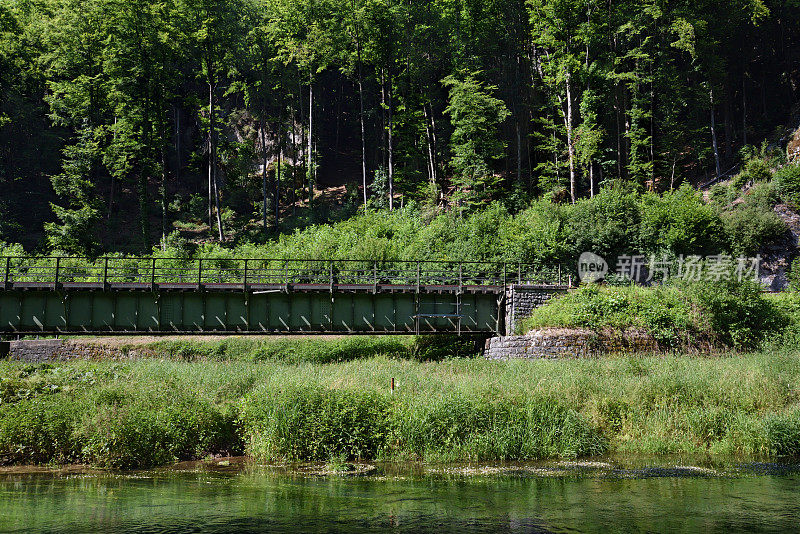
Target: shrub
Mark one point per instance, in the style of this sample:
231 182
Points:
39 430
127 431
787 182
311 423
756 169
606 224
750 227
287 350
763 195
735 314
680 222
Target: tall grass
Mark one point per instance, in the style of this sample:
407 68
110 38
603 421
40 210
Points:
152 412
310 349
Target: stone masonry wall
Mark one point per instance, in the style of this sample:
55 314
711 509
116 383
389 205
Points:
552 343
43 350
522 300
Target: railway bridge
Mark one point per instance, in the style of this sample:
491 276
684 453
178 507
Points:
129 295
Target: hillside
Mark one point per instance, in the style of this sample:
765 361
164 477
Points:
240 120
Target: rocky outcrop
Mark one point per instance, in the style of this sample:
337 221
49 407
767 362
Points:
776 257
793 148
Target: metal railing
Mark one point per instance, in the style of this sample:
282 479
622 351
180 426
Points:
107 272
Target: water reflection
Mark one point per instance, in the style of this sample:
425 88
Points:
759 497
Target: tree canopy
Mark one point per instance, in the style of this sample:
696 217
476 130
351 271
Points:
119 119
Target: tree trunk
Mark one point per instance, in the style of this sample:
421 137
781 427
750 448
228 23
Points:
570 145
744 110
714 133
210 154
264 163
384 140
164 184
429 139
177 145
391 150
361 120
519 150
278 175
728 129
310 168
144 212
213 180
111 192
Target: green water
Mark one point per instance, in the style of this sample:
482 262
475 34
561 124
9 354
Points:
759 498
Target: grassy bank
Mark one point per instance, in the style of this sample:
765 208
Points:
723 314
311 349
151 412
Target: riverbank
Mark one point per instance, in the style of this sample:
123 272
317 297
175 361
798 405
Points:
136 414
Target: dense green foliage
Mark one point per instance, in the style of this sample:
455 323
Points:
222 117
150 412
680 316
615 222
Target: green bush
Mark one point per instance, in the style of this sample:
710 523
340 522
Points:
127 431
756 169
310 423
680 222
735 314
749 227
787 182
39 430
763 196
150 412
606 224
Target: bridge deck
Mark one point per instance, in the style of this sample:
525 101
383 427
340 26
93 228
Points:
222 296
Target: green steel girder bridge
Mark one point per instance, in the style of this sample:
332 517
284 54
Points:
128 295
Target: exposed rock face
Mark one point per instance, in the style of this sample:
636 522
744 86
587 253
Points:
793 148
777 257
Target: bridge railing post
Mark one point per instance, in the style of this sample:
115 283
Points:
460 278
418 276
199 274
58 269
505 283
374 277
330 277
153 275
244 281
105 273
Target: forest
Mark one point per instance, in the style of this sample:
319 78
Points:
129 125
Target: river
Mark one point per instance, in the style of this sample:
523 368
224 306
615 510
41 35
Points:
555 497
